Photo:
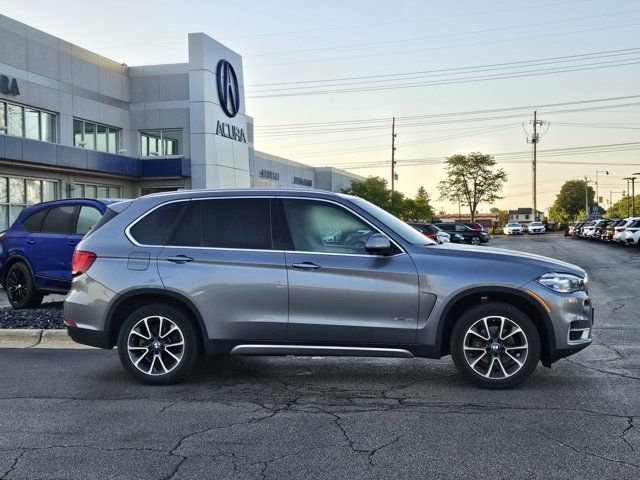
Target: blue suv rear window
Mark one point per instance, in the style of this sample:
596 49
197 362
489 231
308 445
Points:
33 222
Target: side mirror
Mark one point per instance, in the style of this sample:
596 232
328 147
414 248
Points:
378 244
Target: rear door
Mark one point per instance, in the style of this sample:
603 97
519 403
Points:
50 250
221 255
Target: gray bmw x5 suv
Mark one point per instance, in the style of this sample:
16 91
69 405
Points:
170 277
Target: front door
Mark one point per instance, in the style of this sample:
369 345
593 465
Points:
337 292
221 256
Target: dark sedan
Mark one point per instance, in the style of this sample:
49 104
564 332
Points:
474 237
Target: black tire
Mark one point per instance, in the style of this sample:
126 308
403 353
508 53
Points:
187 330
20 287
496 380
475 240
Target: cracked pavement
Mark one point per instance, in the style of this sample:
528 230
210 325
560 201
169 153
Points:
75 414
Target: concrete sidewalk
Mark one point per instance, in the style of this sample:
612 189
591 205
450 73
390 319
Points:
36 338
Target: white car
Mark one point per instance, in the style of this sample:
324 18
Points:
513 228
536 227
621 229
632 233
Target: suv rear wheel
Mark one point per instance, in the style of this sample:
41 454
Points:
495 345
476 240
20 287
158 345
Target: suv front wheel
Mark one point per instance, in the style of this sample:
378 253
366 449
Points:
20 287
495 345
158 345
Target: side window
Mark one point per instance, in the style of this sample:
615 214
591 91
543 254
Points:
154 228
87 218
189 232
236 223
33 223
58 220
324 227
460 228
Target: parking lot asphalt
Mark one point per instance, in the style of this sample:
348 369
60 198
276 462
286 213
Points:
75 414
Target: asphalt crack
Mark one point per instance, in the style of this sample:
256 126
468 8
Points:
629 427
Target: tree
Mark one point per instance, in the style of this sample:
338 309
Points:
503 215
570 201
374 190
473 180
622 208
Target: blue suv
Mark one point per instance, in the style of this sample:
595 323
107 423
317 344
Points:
36 251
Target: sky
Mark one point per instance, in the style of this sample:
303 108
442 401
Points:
324 79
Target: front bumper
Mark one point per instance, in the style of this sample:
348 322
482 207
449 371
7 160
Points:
571 316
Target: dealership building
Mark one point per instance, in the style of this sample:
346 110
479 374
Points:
76 124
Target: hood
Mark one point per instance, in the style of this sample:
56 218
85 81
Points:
545 264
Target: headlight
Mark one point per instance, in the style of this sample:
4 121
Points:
563 282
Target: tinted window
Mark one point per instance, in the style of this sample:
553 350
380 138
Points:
33 223
236 223
58 219
189 232
87 218
154 228
325 228
108 215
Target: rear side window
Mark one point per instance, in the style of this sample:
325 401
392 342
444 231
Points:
108 215
154 228
189 232
236 223
59 220
33 223
87 218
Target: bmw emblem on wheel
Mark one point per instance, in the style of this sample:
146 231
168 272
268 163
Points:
228 91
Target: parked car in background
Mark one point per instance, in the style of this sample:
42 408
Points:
576 228
38 247
631 234
610 229
536 227
600 228
513 228
170 277
431 231
587 228
474 237
621 229
475 226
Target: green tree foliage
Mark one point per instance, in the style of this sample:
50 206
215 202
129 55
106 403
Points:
570 201
503 215
374 190
622 208
472 179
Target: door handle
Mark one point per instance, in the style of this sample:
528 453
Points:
180 259
31 241
306 266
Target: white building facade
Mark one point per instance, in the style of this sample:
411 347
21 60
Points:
74 123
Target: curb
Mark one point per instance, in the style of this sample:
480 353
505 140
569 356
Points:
37 338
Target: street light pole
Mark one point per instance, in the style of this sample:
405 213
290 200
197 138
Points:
633 194
586 194
606 172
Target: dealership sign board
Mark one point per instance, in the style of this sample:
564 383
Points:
9 86
229 96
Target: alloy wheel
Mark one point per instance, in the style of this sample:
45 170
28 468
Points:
475 240
17 289
155 345
495 347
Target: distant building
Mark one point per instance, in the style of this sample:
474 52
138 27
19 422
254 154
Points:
487 220
523 215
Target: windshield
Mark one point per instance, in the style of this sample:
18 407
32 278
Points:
536 224
407 232
513 224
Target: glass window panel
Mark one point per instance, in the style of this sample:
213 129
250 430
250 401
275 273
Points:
90 191
144 145
3 120
32 124
48 190
4 191
58 220
4 217
114 142
34 193
154 228
48 124
15 121
101 138
114 192
16 190
77 133
237 223
14 211
102 192
173 140
78 190
90 135
87 218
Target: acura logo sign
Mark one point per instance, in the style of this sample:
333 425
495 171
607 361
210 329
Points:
228 91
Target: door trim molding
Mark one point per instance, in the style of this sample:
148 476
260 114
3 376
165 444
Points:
319 350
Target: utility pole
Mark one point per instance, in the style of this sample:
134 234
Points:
633 198
535 138
633 194
586 194
606 172
627 179
393 154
